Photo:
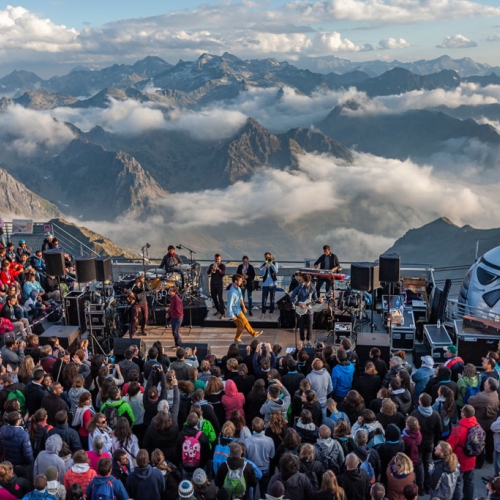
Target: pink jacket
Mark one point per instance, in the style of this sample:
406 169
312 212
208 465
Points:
232 399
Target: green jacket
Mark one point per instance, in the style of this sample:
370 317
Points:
207 428
463 383
123 408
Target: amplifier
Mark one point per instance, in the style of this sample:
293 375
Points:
365 341
96 319
474 348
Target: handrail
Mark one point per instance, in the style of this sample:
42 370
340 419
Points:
82 245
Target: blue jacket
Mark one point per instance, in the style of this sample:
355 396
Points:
15 445
39 495
342 379
29 286
118 488
421 377
146 482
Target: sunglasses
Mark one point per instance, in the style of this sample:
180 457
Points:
102 422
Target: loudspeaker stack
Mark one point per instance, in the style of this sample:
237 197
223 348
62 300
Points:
389 268
85 269
54 262
364 276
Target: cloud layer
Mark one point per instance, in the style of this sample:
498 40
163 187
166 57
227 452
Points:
457 42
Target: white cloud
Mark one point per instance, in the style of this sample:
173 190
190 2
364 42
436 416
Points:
21 29
493 38
393 44
457 42
29 132
333 42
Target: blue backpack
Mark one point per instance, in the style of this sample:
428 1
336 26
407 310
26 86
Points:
221 454
336 419
368 468
103 491
469 392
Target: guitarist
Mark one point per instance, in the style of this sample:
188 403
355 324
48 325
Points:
306 296
139 302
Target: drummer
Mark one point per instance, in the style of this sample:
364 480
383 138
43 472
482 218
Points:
171 260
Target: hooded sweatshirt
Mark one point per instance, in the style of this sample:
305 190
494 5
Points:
39 495
50 456
297 486
232 399
80 474
342 379
146 482
462 384
74 396
321 384
330 453
421 377
281 404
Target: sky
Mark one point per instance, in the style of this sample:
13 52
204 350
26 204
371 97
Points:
53 36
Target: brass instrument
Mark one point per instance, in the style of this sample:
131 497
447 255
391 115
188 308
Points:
244 283
215 268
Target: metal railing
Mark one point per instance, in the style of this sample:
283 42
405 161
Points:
71 243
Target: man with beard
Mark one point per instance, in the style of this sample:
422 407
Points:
170 260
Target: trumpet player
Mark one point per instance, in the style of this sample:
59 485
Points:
268 271
246 270
217 271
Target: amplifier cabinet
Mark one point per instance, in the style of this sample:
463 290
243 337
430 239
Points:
437 340
96 319
474 343
365 341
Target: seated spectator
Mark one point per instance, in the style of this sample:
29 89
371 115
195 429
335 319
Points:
13 312
31 285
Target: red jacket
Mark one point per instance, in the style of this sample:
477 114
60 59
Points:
232 399
457 440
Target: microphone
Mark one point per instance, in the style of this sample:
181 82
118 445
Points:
179 247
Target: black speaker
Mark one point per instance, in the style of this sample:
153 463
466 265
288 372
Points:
85 269
365 341
364 276
389 267
160 315
203 349
103 268
120 345
66 335
74 303
54 262
194 313
284 303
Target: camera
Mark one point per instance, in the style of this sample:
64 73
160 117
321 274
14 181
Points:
170 378
319 345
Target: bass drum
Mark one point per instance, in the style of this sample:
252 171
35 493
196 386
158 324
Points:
162 296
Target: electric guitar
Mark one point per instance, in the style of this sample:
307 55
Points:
304 310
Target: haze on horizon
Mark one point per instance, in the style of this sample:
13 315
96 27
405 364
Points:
51 37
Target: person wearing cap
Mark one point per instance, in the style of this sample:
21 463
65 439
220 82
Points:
203 488
454 362
40 492
145 481
47 242
423 374
186 490
236 461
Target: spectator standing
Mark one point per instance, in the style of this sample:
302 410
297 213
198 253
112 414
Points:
342 376
444 473
53 402
368 383
454 362
321 383
50 456
399 474
105 485
422 376
457 440
80 472
68 434
15 445
145 481
468 385
354 480
297 485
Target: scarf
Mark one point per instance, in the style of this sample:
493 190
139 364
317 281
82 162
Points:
78 418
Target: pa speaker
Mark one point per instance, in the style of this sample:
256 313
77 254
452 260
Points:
389 268
202 349
194 312
364 276
85 269
103 268
120 345
365 342
66 335
54 262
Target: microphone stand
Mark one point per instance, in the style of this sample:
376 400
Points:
191 252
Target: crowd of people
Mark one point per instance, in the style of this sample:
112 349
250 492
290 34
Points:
27 292
258 423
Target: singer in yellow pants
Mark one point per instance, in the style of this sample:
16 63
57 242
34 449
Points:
236 309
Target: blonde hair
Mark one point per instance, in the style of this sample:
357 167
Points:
330 484
228 429
232 363
388 408
307 452
449 458
370 369
402 464
412 424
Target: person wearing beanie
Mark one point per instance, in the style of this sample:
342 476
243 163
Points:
203 488
40 492
54 487
431 428
388 450
276 491
186 490
454 362
423 375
